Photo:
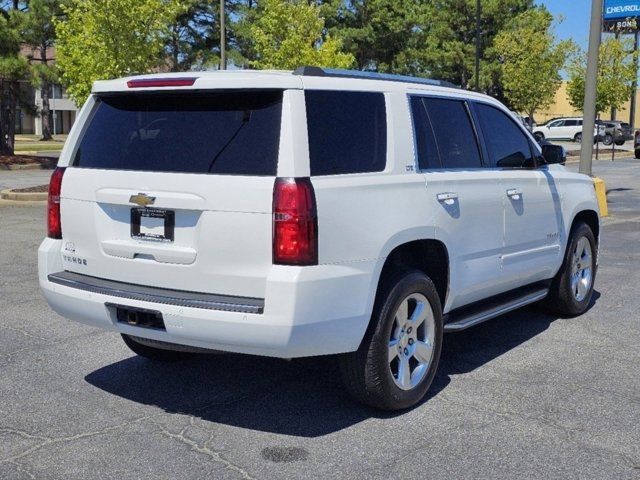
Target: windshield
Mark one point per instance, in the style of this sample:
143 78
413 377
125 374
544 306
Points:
222 133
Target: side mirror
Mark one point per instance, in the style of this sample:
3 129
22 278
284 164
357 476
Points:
554 154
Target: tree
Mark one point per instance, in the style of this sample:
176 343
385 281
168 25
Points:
193 38
13 69
39 34
289 33
531 60
450 47
102 39
616 73
384 35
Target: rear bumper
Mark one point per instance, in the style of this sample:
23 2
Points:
307 311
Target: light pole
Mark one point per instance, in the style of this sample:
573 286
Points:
223 39
478 45
590 89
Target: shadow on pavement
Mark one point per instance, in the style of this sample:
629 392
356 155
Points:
302 397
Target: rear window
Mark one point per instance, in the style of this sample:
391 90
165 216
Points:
222 133
347 132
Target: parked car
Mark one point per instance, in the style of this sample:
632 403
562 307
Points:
565 129
311 213
616 131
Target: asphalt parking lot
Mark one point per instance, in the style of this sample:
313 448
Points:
525 395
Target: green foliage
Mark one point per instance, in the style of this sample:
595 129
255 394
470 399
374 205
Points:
450 50
288 34
531 60
385 35
101 39
616 73
193 38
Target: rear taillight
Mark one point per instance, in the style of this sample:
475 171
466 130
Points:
54 225
295 222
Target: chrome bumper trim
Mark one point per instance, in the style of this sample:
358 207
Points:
164 296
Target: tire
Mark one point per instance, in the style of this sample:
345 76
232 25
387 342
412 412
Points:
571 290
154 353
607 140
578 138
373 374
620 142
538 136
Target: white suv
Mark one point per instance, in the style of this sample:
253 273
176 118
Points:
564 129
310 213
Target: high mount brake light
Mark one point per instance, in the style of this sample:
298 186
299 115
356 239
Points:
295 222
54 223
161 82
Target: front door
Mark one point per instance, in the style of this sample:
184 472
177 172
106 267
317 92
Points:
532 214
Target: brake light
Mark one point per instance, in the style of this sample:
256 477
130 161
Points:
161 82
295 222
54 225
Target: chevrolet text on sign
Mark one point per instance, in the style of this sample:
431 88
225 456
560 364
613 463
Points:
614 9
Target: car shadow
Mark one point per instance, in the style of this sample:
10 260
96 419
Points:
302 397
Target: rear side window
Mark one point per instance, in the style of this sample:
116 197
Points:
454 134
228 133
347 132
426 148
507 144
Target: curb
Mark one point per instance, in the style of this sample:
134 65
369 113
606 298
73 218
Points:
23 166
18 203
23 197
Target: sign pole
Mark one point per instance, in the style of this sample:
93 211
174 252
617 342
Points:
590 90
632 107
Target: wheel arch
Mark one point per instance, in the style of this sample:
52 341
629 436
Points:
427 255
591 218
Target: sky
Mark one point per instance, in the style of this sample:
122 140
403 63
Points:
576 15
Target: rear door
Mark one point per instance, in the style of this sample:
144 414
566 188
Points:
174 190
465 196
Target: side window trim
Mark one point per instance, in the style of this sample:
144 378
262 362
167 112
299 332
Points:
477 128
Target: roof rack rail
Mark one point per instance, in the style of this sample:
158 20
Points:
310 71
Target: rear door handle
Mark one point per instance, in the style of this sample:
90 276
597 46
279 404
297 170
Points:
514 193
447 197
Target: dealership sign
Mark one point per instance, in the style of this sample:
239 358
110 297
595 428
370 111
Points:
614 9
621 15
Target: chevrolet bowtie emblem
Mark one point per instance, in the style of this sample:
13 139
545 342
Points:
142 199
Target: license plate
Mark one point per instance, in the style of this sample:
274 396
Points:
153 224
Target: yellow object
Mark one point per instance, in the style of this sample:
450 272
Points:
601 195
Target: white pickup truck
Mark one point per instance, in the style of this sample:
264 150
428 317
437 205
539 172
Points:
314 212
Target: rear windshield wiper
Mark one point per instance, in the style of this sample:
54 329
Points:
246 116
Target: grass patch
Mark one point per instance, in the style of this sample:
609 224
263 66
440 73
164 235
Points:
38 147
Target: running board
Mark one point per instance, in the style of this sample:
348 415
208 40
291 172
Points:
469 316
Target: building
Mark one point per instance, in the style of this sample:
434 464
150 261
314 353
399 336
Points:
562 108
63 110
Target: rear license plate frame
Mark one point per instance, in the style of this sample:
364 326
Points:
168 216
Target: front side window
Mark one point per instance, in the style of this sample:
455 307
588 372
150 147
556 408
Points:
507 144
347 132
